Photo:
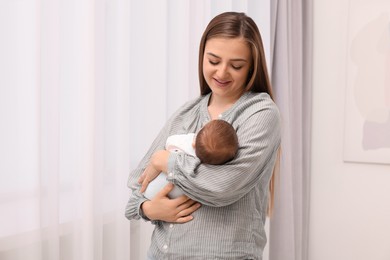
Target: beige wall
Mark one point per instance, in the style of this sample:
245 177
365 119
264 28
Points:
350 202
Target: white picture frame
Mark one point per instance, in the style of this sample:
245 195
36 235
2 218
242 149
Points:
367 96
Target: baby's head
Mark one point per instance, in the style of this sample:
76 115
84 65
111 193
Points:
216 143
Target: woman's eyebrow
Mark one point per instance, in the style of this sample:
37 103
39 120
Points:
216 56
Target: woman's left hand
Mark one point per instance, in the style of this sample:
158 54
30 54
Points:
158 163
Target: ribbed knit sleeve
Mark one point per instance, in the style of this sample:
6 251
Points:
133 207
257 122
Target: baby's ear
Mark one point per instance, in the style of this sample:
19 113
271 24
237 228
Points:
193 144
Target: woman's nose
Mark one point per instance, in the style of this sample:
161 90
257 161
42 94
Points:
222 71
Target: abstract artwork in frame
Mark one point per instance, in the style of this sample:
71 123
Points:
367 99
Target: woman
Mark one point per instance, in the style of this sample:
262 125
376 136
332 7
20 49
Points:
234 86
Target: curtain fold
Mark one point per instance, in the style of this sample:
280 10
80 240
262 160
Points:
291 51
65 120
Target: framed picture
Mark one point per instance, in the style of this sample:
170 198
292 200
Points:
367 97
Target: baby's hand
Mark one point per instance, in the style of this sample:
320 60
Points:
158 163
147 176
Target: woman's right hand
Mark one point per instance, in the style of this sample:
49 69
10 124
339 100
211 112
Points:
161 207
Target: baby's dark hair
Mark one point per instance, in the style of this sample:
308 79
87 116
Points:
216 143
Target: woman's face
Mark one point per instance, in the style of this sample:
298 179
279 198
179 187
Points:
226 63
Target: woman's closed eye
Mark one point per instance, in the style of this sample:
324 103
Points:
236 67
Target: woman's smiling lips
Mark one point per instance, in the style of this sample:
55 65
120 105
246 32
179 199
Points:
222 83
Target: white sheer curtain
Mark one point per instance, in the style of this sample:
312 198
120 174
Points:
291 79
64 129
85 85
